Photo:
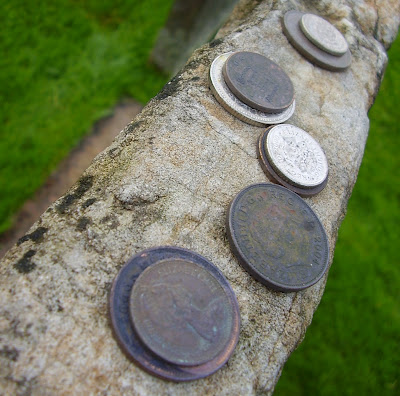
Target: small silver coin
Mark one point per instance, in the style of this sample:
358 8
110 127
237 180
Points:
323 34
296 156
236 107
293 32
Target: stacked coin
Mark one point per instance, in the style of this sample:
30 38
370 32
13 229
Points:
290 156
317 40
174 314
277 237
252 88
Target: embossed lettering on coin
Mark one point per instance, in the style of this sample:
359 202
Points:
277 237
296 156
181 312
258 82
324 35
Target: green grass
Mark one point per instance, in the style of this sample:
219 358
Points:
353 345
64 64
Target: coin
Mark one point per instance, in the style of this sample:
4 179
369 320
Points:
277 237
292 30
272 174
258 82
294 155
323 34
235 106
182 312
128 339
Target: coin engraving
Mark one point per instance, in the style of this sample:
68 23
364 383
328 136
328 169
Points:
122 326
296 156
236 107
277 237
323 34
181 312
258 82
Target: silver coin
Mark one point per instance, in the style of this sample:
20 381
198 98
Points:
236 107
296 156
323 34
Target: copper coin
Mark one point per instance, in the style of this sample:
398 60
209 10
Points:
292 30
272 170
258 82
277 237
182 312
128 339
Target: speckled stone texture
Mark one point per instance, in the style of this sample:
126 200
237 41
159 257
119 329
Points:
167 180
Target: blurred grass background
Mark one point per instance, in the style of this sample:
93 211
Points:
66 63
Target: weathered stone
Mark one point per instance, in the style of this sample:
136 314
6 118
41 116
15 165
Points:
167 180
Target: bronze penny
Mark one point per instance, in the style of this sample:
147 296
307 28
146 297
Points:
128 339
292 30
277 237
181 312
271 171
258 82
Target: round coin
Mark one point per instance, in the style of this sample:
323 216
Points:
292 30
324 35
258 82
277 237
274 173
296 156
235 106
182 312
123 329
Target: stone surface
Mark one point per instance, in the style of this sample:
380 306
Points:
168 179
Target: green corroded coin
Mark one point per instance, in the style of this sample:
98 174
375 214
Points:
277 237
183 313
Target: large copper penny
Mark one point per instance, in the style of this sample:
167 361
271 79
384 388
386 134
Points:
182 312
277 237
128 339
258 82
294 33
290 156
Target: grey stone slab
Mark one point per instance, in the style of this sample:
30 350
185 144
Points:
167 180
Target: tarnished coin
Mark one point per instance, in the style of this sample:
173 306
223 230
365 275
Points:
235 106
293 163
182 312
258 82
295 156
277 237
128 339
323 34
294 33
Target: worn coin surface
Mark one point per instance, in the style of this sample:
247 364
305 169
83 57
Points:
295 35
296 156
182 312
323 34
277 237
273 175
123 329
235 106
258 82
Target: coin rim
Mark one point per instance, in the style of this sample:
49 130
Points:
242 97
247 114
142 356
277 286
271 174
315 40
281 173
140 333
292 30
